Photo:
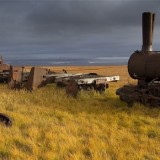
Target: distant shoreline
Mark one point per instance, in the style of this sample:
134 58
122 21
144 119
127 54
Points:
105 65
101 61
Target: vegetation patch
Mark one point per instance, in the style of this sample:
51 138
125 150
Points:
48 125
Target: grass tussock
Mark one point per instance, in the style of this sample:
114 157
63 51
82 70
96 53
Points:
48 125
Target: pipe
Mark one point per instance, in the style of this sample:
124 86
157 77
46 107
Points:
147 30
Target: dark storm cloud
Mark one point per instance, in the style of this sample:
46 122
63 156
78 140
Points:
89 14
107 22
73 27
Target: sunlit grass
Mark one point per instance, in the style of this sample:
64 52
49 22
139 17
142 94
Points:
48 125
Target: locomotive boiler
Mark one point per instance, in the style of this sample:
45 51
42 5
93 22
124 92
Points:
144 65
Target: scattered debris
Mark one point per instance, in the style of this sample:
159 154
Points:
4 71
38 77
4 119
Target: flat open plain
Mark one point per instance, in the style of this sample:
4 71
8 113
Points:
48 125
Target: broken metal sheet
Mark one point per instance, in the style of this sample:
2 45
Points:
98 80
15 77
37 78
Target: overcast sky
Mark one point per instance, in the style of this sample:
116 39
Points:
31 29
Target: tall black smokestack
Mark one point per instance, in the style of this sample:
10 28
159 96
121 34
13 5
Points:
147 29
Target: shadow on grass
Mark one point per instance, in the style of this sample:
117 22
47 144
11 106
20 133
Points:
104 104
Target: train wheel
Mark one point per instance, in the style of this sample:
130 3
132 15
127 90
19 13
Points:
100 88
72 88
154 91
143 100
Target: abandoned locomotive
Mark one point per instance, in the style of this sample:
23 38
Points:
144 66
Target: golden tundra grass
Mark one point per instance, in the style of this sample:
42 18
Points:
48 125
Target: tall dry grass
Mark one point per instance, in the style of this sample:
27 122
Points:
48 125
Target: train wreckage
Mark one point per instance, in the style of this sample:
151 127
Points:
144 66
38 77
21 77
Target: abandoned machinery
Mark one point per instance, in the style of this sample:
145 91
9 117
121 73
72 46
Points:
38 77
144 66
4 71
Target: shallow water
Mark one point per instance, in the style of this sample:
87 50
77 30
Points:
70 61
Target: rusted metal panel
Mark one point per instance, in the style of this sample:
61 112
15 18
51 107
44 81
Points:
3 66
15 77
72 88
16 73
37 78
4 71
18 77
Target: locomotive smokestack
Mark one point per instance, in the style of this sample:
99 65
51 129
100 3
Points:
147 29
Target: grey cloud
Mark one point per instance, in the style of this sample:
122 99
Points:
77 21
89 14
73 27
